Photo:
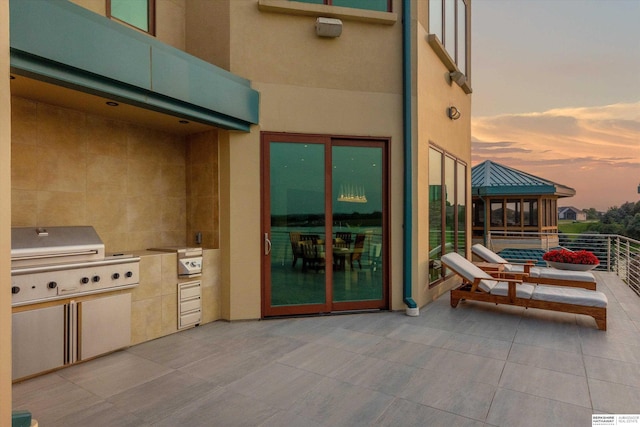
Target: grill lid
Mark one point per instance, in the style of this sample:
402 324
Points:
52 245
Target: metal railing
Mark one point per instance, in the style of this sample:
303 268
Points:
617 254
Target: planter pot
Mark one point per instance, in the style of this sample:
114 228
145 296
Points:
569 266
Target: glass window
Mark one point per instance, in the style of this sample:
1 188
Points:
450 203
497 213
137 13
461 36
461 202
530 212
447 209
435 18
379 5
513 212
435 214
448 21
450 27
534 213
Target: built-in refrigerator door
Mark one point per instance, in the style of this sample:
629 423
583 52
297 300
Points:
38 340
104 325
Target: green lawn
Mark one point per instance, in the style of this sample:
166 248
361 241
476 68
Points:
573 227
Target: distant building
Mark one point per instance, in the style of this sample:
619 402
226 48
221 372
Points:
507 202
571 213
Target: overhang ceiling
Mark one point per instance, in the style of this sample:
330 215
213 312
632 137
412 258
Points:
95 60
36 90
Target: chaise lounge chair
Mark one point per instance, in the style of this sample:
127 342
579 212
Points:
539 275
479 285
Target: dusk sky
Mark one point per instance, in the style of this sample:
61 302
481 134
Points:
556 93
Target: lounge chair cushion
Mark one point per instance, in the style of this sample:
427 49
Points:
523 290
554 273
547 273
469 271
568 295
488 255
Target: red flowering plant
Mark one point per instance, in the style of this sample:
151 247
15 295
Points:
569 257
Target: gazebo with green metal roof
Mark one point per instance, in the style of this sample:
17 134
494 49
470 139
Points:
514 202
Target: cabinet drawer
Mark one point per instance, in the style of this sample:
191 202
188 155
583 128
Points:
188 290
189 319
186 306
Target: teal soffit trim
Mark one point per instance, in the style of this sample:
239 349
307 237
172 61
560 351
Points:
59 42
514 191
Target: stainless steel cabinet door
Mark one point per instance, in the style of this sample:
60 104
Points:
104 325
38 340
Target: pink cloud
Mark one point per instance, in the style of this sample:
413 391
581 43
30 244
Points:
595 150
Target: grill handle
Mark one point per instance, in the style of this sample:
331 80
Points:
55 255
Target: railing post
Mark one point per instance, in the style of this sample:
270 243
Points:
628 261
609 254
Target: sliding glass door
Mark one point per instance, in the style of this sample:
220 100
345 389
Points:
324 224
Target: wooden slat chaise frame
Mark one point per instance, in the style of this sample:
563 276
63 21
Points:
539 275
479 285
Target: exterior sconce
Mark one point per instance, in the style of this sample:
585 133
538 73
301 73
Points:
458 77
453 113
328 27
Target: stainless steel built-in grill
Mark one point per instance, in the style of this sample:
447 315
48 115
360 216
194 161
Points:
60 262
65 267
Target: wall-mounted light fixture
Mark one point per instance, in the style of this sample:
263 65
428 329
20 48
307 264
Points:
328 27
453 113
458 77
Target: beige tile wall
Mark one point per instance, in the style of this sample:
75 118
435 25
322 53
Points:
202 188
138 187
154 307
73 168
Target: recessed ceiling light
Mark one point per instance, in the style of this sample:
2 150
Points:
112 103
183 122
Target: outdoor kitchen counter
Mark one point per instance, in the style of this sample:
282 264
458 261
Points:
155 300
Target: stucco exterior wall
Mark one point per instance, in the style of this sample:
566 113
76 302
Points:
5 219
345 86
434 96
282 48
207 31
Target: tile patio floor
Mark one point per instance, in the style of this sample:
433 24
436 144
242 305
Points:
476 365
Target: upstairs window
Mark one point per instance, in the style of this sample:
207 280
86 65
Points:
378 5
137 13
448 21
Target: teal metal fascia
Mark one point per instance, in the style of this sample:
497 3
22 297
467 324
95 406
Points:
516 190
62 43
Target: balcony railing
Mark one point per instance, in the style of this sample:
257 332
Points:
617 254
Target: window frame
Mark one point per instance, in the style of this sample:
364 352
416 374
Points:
460 200
330 3
151 17
450 39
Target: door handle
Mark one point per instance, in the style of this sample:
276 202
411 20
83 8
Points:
267 244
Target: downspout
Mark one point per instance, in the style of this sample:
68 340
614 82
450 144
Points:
412 307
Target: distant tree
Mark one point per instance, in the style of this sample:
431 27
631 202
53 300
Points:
592 214
623 220
633 229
